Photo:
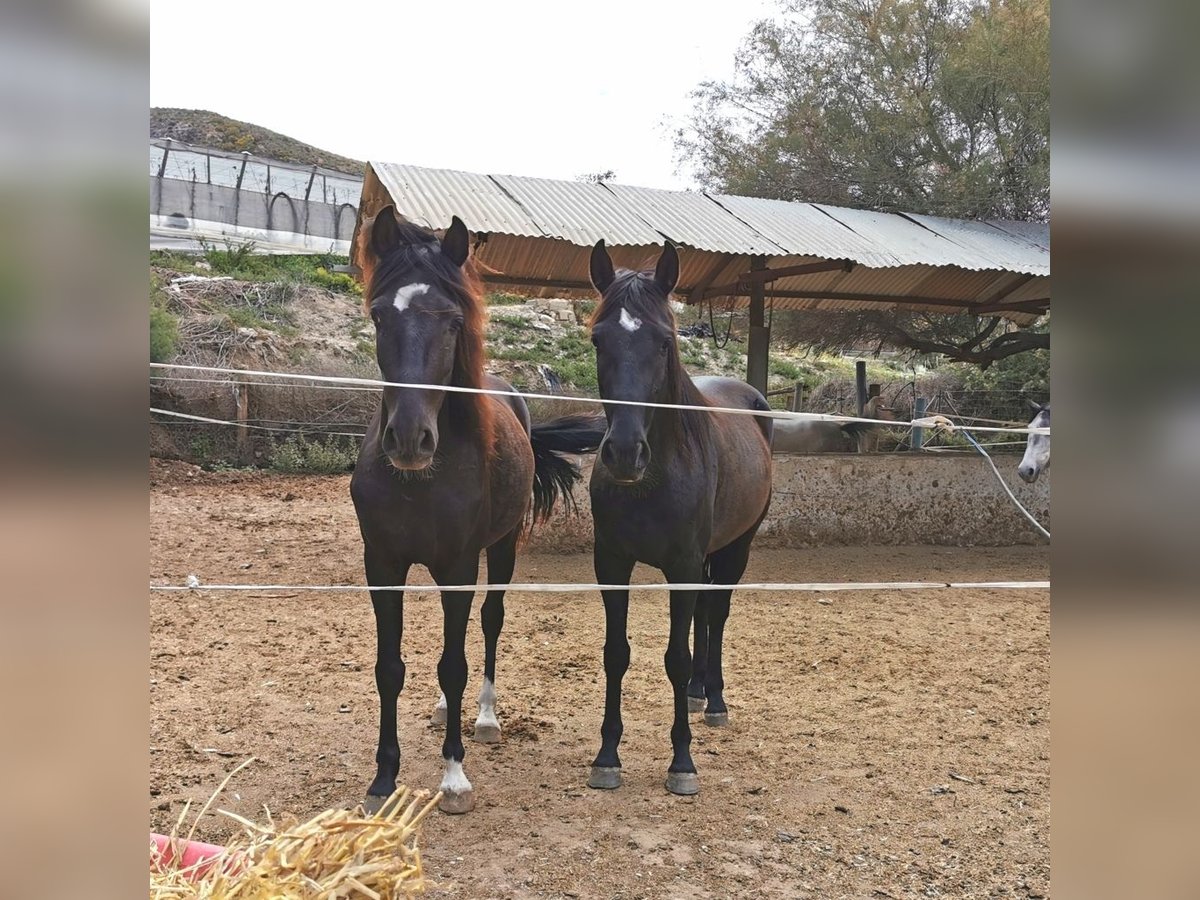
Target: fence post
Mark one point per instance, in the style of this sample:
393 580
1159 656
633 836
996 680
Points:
798 397
860 385
918 434
244 450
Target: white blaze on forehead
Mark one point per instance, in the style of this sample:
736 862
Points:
405 294
628 322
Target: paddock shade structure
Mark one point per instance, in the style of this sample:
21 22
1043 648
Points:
535 235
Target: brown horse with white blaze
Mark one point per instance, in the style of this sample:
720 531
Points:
444 475
683 490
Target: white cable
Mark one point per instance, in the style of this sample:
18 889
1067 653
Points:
193 583
1004 484
928 422
159 379
179 415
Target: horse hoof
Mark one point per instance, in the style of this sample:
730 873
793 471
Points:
716 720
457 804
439 716
486 734
696 704
683 783
605 778
373 804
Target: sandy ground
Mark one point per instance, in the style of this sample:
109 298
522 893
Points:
881 744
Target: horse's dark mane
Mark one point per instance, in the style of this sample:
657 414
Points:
419 257
640 296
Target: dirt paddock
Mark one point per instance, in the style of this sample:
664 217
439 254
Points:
881 744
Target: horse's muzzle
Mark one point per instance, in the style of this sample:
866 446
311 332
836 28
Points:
1028 474
626 462
411 451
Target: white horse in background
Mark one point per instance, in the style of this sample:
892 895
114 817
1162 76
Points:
817 436
1037 449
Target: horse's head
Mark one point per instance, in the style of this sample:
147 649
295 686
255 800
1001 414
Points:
426 329
1037 448
633 331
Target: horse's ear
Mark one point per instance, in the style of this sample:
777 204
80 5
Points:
456 242
385 233
666 273
601 268
1034 405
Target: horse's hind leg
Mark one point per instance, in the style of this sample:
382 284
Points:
501 560
389 673
727 566
695 689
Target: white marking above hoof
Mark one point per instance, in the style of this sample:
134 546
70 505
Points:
487 726
457 794
439 712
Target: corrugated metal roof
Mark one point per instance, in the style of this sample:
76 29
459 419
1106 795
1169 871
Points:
578 212
541 230
994 248
804 230
430 197
907 241
694 220
1037 233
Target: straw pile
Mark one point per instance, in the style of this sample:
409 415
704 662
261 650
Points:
338 854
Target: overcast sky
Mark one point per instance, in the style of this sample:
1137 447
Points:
555 89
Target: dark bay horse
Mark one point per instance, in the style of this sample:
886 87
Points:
443 475
683 491
1037 447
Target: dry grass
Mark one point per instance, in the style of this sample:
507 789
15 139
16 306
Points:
337 854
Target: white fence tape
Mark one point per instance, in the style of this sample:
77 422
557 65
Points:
928 422
194 584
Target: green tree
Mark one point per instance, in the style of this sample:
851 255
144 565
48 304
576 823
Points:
927 106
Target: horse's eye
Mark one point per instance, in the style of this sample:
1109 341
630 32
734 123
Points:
666 346
375 317
595 343
456 324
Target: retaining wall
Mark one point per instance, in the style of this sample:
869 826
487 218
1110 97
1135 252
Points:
886 498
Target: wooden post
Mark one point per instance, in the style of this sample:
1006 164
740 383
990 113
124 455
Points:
798 397
760 336
860 384
918 434
244 450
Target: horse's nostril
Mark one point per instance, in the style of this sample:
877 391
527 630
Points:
428 442
643 455
606 453
389 437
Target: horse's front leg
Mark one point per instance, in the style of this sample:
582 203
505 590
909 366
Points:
681 775
457 794
389 672
612 568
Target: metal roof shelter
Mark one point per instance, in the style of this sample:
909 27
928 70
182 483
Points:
536 235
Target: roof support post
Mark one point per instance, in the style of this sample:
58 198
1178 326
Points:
760 335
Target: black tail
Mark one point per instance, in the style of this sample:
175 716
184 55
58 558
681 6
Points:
554 476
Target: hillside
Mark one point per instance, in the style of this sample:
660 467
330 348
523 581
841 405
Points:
210 129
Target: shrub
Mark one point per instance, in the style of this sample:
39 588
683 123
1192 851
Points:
325 457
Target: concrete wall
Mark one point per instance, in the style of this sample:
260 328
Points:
886 498
279 213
